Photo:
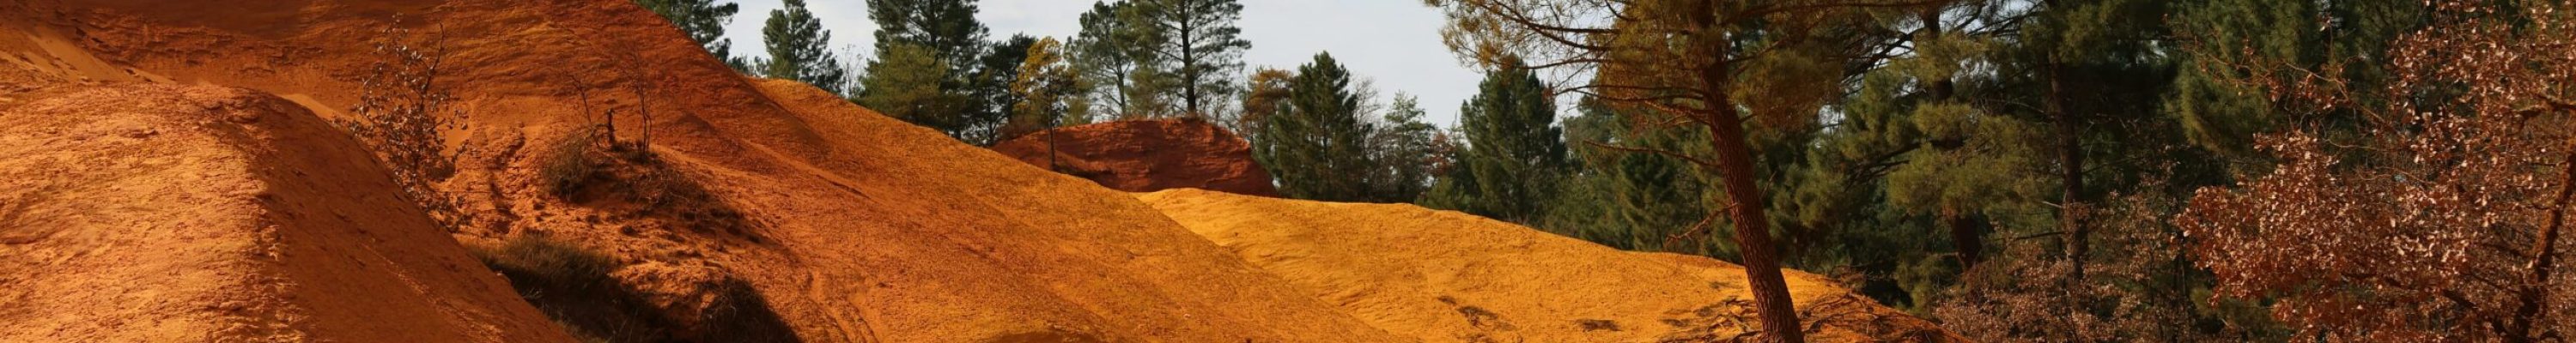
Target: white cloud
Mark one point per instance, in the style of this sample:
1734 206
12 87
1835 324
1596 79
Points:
1395 42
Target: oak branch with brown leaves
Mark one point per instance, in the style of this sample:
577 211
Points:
1731 68
2437 215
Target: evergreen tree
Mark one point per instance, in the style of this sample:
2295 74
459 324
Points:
1615 198
703 21
990 88
905 85
1751 75
1919 148
2218 100
799 49
975 77
1115 52
1201 49
947 28
1402 149
1265 96
1515 150
1048 93
1318 146
1929 144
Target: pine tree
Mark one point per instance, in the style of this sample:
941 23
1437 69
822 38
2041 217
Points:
703 21
1201 46
1115 52
1748 74
947 28
1048 92
1515 150
1926 157
990 89
1318 146
1265 96
799 49
1402 149
2222 108
1615 198
975 77
904 84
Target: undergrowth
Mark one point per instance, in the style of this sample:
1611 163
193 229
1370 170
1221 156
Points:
585 167
572 286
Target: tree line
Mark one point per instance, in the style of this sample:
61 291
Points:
936 65
1328 134
2018 170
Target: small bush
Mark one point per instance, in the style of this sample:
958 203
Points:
403 110
586 168
573 287
573 164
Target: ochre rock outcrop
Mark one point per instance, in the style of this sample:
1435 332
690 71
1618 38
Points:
1148 155
1448 276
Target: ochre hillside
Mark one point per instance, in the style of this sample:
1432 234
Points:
133 208
1147 155
855 227
166 213
1449 276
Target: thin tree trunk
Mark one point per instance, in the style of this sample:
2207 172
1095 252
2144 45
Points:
1753 230
1189 58
2535 290
1735 168
1967 232
1052 165
2070 158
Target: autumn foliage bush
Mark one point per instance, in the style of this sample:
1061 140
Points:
2437 214
403 108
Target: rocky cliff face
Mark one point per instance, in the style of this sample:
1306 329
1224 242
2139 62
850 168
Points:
1147 155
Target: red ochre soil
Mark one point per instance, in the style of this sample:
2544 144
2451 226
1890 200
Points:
1147 155
167 173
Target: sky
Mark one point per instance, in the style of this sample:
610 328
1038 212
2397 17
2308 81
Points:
1396 43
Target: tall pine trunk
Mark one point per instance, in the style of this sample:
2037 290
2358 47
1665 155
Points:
1967 230
1752 229
1189 62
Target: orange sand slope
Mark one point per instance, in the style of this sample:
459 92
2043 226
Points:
158 213
1449 276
